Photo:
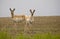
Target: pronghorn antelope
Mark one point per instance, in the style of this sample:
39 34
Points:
29 19
16 18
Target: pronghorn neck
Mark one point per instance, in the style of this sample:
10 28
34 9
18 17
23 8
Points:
31 16
12 15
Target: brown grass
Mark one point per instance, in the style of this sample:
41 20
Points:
42 24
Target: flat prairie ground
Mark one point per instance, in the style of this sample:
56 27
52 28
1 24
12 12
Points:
41 25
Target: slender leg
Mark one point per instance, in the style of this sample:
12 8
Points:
26 29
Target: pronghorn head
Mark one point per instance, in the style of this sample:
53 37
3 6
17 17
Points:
32 12
12 12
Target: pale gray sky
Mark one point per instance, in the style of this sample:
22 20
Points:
42 7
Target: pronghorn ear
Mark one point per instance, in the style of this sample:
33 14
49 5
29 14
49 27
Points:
14 9
33 11
10 9
30 10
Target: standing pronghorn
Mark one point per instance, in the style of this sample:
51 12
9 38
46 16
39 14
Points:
16 18
28 19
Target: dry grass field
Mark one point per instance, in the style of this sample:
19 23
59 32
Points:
41 25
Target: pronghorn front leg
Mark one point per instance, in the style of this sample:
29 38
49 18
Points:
26 28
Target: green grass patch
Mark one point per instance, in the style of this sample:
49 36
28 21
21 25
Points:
39 36
5 35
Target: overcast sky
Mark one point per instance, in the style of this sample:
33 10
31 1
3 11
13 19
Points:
42 7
